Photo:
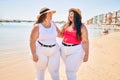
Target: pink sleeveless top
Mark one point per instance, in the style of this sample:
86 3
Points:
70 37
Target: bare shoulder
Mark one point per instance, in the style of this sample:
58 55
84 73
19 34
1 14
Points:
34 32
83 28
84 34
54 23
35 27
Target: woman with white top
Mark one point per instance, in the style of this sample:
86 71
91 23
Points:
45 51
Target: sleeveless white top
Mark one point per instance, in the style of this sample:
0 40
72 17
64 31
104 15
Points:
47 36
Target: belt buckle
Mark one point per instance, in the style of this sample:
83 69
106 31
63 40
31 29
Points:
70 45
49 45
46 45
67 45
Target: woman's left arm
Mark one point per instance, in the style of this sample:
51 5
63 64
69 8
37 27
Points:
85 42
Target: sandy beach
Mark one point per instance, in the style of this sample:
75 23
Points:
103 64
104 59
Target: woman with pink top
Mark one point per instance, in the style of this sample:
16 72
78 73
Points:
75 43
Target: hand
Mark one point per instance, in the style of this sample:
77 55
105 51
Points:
35 58
85 59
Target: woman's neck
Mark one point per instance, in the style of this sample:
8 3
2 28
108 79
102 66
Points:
46 24
73 25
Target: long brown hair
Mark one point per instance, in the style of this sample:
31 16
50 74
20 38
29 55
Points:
78 24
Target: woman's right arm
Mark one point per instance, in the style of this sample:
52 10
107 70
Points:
59 34
33 38
63 29
85 42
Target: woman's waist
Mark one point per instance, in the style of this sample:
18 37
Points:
70 44
71 41
47 42
45 38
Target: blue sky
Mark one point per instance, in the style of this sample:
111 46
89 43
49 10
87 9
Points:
28 9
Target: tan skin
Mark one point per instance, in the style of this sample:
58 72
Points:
35 34
84 36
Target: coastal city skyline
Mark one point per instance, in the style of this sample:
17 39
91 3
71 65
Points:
28 10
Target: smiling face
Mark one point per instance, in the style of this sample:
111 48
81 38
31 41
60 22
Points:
49 16
71 16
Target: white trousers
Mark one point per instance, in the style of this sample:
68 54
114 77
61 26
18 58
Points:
73 57
51 62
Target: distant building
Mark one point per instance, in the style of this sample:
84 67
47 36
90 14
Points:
100 19
118 17
104 18
95 20
90 21
118 14
109 18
